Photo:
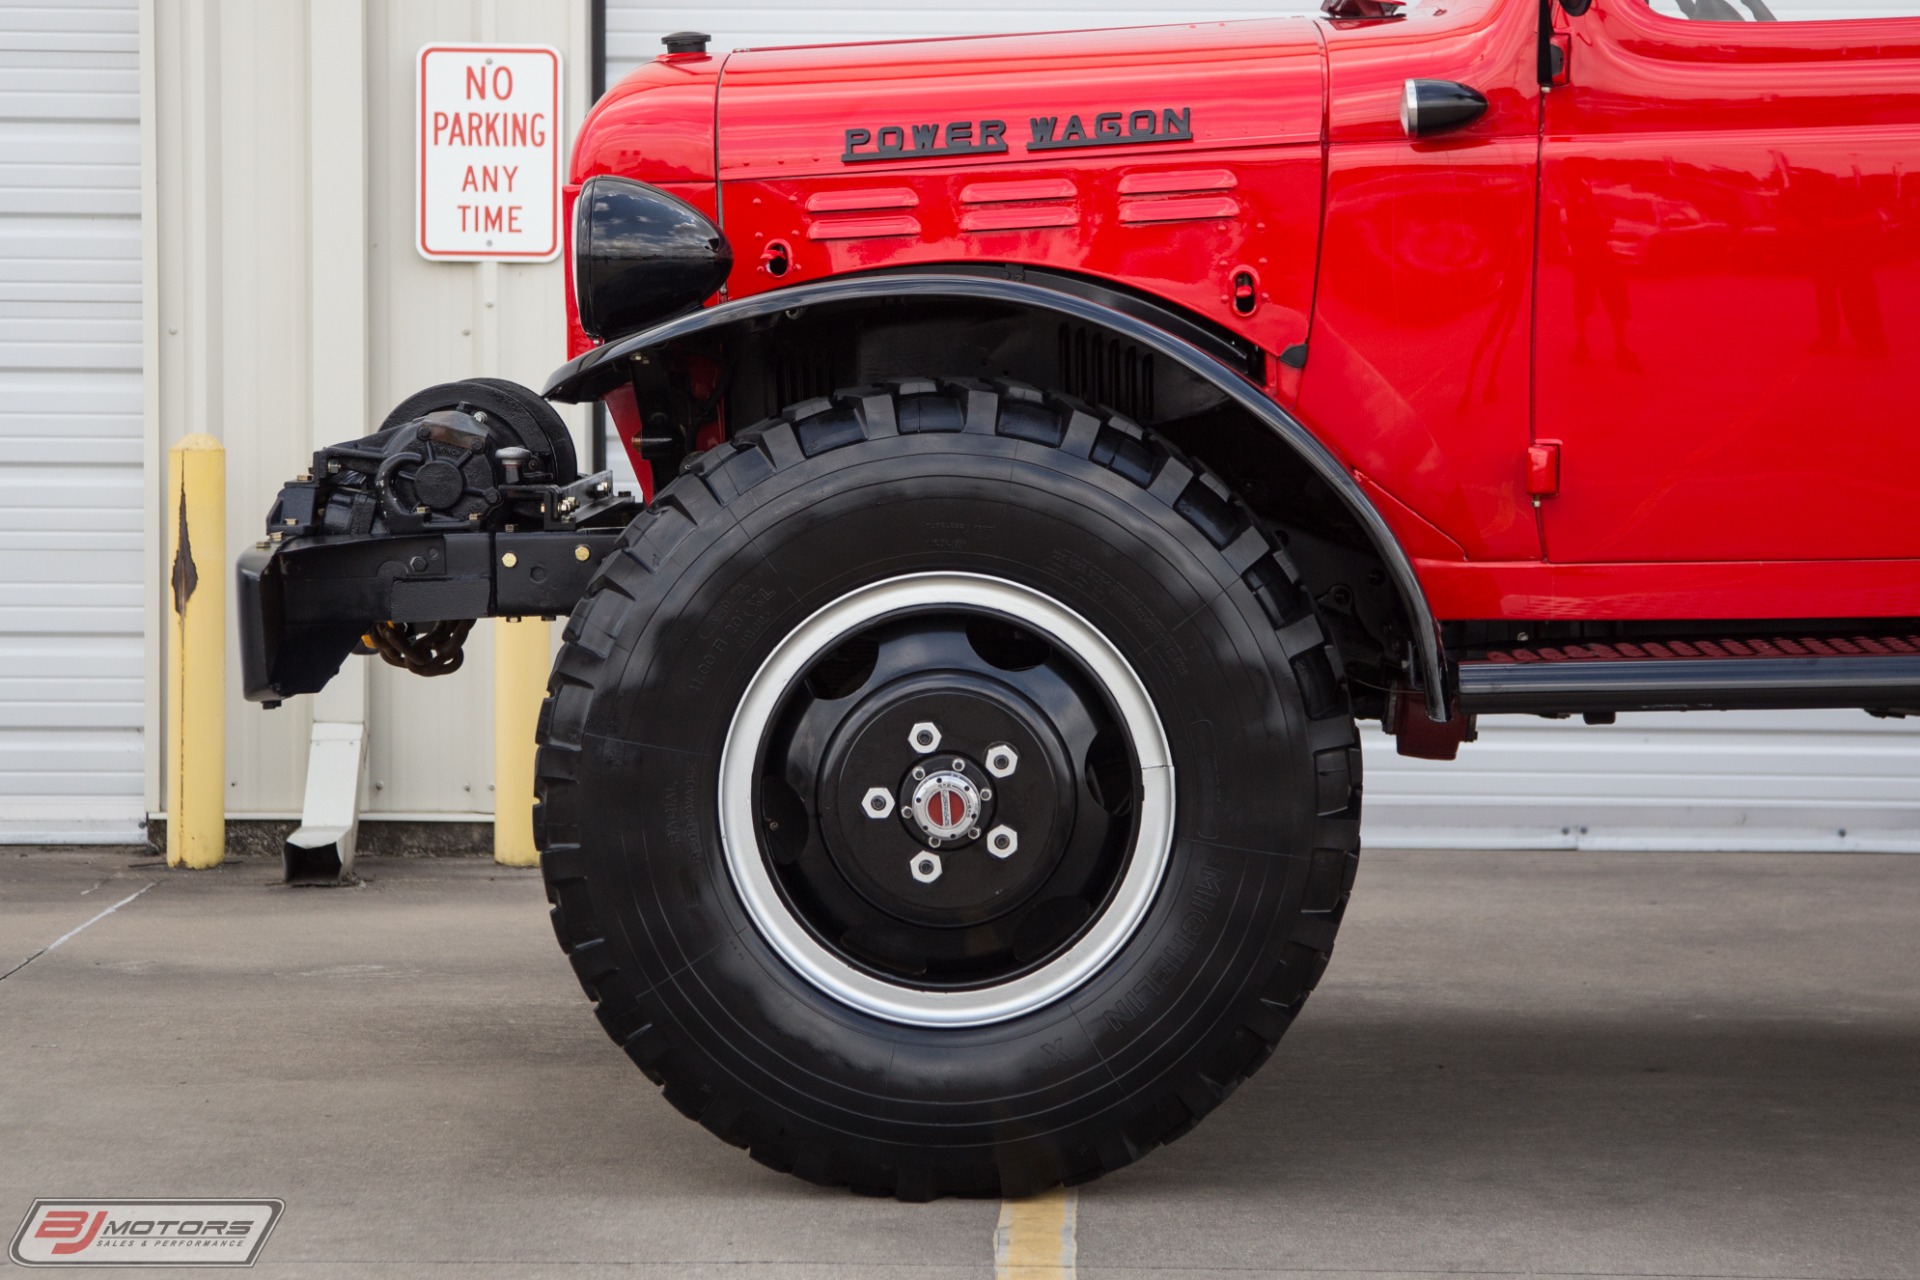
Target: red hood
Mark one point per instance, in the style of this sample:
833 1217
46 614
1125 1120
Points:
1183 160
655 126
790 112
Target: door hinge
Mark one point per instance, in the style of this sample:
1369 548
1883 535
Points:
1543 470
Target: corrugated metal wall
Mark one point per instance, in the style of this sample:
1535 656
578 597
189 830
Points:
1695 780
1805 780
71 498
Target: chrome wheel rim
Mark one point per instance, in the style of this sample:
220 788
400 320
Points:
1126 903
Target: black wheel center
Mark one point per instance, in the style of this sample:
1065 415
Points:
932 804
910 831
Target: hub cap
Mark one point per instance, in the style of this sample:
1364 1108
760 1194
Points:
946 805
946 800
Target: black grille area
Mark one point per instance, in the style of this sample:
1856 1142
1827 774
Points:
804 371
1105 370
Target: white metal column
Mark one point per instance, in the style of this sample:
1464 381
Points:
322 847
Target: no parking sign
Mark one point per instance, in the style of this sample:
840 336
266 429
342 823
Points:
487 159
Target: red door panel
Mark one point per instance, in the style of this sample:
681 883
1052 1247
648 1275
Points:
1729 290
1418 367
1418 373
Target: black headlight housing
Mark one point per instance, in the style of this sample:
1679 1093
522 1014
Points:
641 255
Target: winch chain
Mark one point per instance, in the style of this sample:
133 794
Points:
430 651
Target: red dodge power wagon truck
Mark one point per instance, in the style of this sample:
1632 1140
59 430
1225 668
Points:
951 782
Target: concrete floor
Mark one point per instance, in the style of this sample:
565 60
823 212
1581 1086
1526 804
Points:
1519 1064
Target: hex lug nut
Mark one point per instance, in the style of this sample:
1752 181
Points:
924 736
1002 760
925 867
1003 841
878 802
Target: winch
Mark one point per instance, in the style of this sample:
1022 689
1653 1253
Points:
466 503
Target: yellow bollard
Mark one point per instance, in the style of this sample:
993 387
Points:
522 655
197 653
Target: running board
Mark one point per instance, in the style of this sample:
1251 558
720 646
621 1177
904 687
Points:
1878 673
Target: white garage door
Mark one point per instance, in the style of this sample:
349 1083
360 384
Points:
70 439
1754 781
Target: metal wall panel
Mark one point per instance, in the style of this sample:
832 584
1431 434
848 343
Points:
71 497
1709 780
232 173
1804 780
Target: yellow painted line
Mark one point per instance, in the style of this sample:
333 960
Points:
196 638
1035 1238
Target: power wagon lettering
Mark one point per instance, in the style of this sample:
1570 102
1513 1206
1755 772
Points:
1112 129
962 138
988 137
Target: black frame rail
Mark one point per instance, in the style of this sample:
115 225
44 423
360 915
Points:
304 605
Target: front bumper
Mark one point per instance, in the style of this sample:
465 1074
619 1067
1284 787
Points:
305 603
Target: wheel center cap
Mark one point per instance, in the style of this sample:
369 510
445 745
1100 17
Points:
945 804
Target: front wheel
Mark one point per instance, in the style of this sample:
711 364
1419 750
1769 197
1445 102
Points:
947 789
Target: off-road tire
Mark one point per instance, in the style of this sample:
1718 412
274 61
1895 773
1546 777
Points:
1037 488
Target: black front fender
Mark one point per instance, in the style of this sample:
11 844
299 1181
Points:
606 368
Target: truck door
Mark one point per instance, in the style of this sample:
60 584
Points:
1729 283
